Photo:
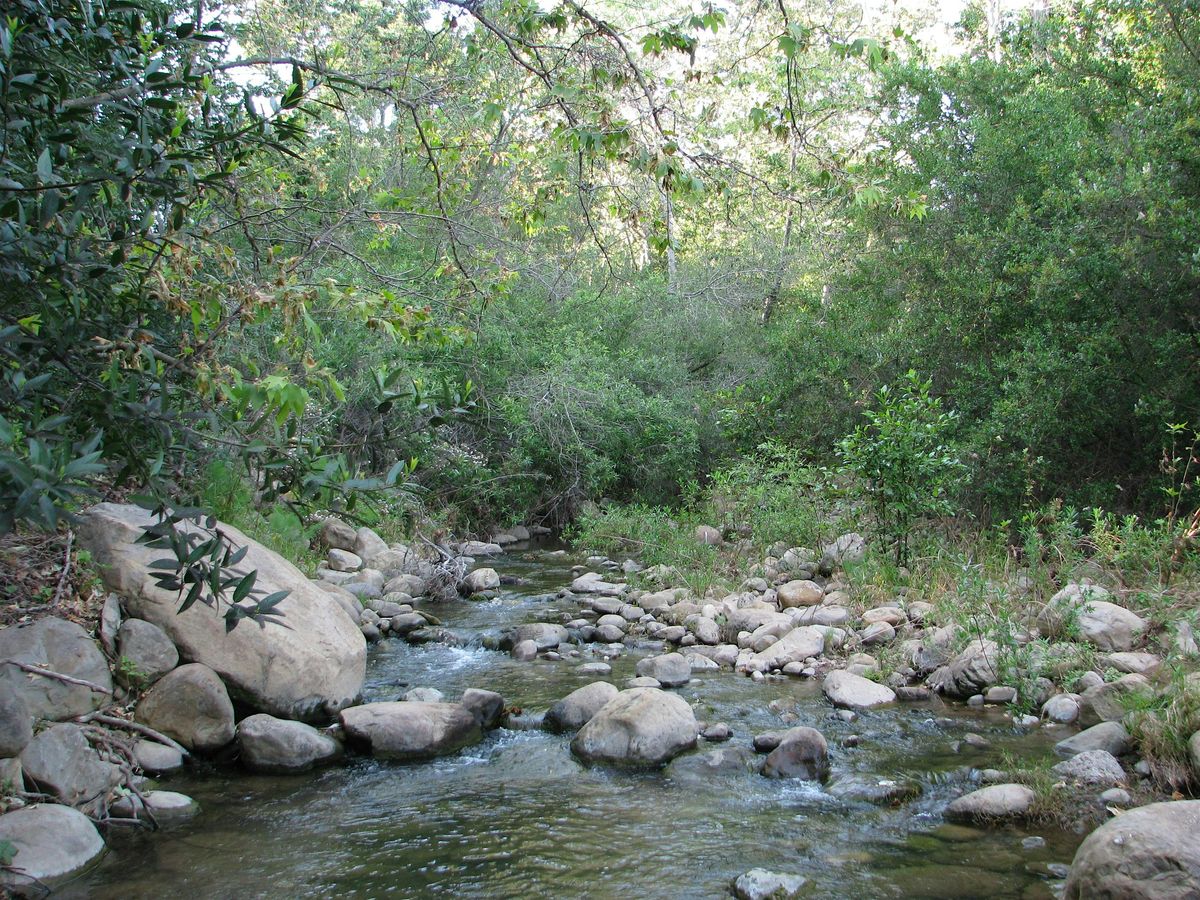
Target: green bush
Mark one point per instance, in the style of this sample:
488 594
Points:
904 460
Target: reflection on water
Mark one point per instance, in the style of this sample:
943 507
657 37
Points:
517 816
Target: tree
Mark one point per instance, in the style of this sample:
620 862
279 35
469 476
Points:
903 458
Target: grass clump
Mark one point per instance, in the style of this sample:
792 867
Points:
1162 719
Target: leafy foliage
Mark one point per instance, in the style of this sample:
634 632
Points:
203 566
903 458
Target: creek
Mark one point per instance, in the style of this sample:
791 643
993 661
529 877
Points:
518 816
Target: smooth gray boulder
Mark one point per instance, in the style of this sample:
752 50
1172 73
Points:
802 753
52 842
60 646
16 724
410 730
308 664
992 804
669 669
751 618
155 758
148 650
545 635
760 884
63 763
795 646
1062 708
191 706
639 726
852 691
525 650
368 545
1110 627
486 706
1103 703
1149 853
343 560
268 744
576 709
480 580
163 808
1110 737
1099 621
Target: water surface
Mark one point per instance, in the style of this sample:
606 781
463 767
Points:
518 816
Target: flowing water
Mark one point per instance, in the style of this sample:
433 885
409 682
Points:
518 816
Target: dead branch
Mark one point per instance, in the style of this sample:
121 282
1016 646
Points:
57 676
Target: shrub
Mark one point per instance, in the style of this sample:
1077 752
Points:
902 456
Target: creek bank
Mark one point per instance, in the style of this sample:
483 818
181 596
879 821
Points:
86 720
643 734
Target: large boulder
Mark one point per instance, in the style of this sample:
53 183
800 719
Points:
62 762
148 649
795 646
592 583
576 709
1092 767
52 842
269 744
973 671
992 804
1108 736
639 726
337 535
803 753
1103 702
1150 853
668 669
307 665
1110 627
1100 621
480 580
855 692
411 729
368 545
16 725
60 646
545 635
486 706
191 706
752 618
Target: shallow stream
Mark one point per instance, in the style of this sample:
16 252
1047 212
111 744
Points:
518 816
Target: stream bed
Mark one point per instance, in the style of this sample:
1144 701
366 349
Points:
518 816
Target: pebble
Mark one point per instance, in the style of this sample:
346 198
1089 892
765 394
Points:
1033 842
717 732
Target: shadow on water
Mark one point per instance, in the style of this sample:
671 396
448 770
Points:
517 816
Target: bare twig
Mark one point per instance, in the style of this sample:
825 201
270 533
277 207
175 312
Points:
57 676
144 730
